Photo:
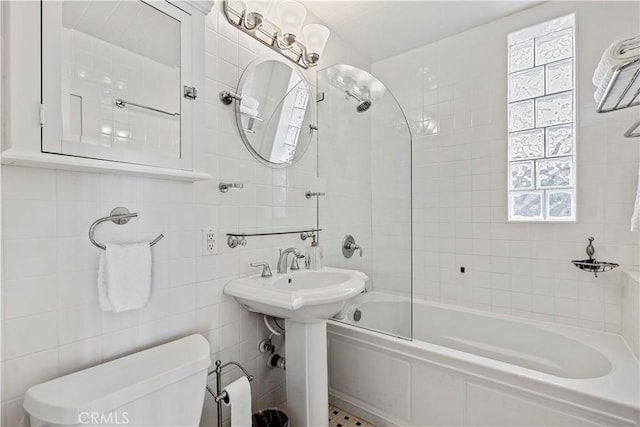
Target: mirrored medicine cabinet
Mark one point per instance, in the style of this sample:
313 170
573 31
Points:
119 85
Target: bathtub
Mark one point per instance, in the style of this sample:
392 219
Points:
467 367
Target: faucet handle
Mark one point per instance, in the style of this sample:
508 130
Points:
266 270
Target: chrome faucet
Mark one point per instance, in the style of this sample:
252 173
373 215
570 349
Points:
282 261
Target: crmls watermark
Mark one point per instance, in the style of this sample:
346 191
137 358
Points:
98 418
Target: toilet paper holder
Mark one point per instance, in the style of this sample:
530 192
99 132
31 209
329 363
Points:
220 395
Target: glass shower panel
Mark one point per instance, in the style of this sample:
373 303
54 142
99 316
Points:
364 154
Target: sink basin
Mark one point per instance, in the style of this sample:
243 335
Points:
305 296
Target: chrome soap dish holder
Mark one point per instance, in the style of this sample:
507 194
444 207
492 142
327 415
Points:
592 265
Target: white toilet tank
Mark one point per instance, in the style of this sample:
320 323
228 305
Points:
162 386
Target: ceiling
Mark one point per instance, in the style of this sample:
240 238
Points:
379 29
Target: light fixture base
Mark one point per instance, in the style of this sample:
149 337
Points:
253 20
286 40
311 59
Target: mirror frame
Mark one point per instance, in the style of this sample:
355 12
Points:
245 140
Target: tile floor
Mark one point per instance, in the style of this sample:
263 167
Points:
340 418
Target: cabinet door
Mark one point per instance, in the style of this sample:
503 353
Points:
113 80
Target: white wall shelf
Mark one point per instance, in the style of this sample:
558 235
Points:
80 164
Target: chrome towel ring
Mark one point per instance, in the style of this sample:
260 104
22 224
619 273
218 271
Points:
118 216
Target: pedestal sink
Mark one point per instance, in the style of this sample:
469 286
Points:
305 299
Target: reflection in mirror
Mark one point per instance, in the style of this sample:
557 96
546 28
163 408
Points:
276 116
118 58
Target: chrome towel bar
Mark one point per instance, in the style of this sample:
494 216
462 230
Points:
118 216
121 103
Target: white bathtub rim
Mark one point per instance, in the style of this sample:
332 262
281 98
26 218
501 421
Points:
620 355
528 380
633 275
592 337
495 373
569 331
615 349
383 297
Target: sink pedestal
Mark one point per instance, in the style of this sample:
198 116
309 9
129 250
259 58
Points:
306 298
307 383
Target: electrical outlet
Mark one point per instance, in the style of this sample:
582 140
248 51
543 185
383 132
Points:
209 241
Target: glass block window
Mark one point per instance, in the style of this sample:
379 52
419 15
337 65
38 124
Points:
541 122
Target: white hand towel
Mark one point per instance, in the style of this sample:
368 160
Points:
617 53
251 112
635 218
124 276
239 398
250 102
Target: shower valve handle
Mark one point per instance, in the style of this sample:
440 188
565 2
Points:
349 246
355 247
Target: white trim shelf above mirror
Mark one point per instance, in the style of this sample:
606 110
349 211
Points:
79 164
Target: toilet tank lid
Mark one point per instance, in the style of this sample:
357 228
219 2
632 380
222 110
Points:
115 383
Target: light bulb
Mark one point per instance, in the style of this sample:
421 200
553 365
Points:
315 38
291 15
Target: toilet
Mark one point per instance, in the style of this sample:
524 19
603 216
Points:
161 386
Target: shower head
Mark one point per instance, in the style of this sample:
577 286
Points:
363 104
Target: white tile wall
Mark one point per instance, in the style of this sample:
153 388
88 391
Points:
51 321
631 311
391 197
459 85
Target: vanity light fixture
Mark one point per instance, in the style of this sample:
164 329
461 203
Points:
284 35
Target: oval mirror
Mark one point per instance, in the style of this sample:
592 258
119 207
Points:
276 116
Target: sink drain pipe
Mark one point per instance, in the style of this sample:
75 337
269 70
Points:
277 361
272 325
274 360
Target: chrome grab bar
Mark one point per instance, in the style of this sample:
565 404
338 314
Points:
121 103
118 216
